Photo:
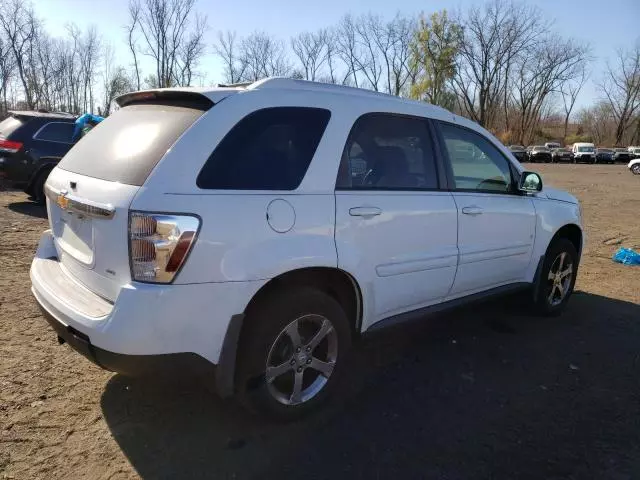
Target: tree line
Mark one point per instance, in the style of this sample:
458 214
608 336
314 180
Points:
502 64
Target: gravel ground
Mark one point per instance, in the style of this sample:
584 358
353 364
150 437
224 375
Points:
485 392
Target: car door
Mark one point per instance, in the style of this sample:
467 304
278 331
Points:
496 224
395 229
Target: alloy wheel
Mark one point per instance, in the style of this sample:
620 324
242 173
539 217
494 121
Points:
559 279
301 359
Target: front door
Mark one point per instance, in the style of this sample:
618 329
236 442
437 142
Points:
395 230
496 224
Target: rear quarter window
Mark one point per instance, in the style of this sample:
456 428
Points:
128 144
269 149
61 132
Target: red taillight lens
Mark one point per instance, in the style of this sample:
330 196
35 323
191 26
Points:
159 244
9 146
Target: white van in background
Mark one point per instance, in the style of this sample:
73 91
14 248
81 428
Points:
552 145
584 152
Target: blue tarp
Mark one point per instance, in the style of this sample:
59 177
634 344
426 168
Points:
84 121
627 256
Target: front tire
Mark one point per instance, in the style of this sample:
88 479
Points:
292 353
635 169
557 278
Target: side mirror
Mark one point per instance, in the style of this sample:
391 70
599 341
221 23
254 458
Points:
530 182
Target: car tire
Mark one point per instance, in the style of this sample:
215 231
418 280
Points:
37 188
556 278
266 342
635 169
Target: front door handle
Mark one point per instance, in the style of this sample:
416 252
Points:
472 210
364 211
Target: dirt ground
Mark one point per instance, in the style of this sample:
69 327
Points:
485 392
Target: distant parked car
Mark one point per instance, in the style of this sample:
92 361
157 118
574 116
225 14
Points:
604 155
584 152
519 152
634 166
635 152
552 145
540 153
621 155
561 155
31 144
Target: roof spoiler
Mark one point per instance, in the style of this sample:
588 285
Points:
178 98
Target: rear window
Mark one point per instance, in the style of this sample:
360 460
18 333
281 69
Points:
9 125
269 149
128 144
61 132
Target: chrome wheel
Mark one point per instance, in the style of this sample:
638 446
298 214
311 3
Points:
559 279
301 359
636 169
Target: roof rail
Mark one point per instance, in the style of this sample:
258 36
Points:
298 84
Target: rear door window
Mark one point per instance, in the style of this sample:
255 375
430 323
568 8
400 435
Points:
61 132
269 149
9 125
129 143
388 152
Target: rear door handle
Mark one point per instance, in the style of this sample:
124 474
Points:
472 210
364 211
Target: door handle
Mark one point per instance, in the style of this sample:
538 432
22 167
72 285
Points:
472 210
364 211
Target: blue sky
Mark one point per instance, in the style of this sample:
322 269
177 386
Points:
604 25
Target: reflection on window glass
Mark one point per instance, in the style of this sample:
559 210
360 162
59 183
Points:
476 163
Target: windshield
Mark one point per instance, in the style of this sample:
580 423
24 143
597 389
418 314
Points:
540 149
604 150
585 149
9 125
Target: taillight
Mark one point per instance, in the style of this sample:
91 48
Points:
8 146
159 244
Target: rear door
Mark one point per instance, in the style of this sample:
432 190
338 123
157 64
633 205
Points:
496 225
394 228
90 190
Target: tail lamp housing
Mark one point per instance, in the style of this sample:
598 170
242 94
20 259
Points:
159 244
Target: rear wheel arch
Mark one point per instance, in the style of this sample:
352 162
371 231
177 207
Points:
335 282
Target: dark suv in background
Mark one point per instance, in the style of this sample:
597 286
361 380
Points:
31 144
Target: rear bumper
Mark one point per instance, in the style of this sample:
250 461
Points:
189 328
133 365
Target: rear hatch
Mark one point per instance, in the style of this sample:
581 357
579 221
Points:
90 191
9 146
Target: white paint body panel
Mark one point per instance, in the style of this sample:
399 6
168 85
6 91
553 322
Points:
406 256
419 251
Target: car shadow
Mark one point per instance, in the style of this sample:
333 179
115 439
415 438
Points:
486 391
28 208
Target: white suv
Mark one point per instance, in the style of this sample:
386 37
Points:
252 233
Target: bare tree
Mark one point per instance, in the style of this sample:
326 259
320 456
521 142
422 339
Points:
134 20
621 88
493 36
311 50
19 24
263 56
541 71
569 91
227 49
7 66
165 28
348 47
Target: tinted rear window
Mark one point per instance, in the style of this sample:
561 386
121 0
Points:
56 132
128 144
269 149
9 125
